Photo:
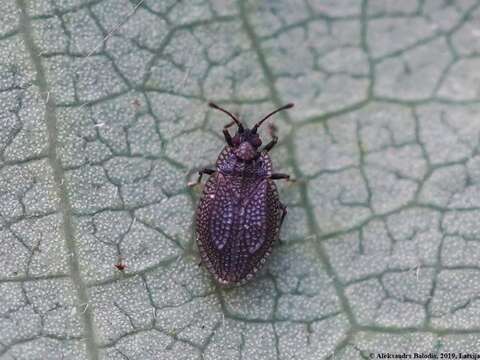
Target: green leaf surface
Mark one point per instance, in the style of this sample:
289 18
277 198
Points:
103 121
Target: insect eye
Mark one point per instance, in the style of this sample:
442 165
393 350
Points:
256 142
236 140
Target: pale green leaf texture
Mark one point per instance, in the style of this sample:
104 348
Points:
104 119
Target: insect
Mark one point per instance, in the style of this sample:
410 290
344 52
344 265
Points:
120 265
239 214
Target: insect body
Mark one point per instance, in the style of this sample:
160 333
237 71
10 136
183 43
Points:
120 265
239 215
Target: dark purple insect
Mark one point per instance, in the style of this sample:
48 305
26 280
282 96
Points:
239 215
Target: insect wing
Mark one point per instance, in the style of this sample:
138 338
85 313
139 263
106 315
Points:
215 219
222 214
254 219
236 233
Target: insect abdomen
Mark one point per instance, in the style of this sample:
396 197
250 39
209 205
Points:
236 230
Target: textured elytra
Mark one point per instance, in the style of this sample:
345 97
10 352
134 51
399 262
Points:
238 217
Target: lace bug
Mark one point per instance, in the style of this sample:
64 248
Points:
239 214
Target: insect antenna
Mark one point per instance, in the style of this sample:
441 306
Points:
215 106
284 107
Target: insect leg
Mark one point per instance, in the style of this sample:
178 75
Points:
284 213
272 130
228 137
271 144
200 174
279 176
